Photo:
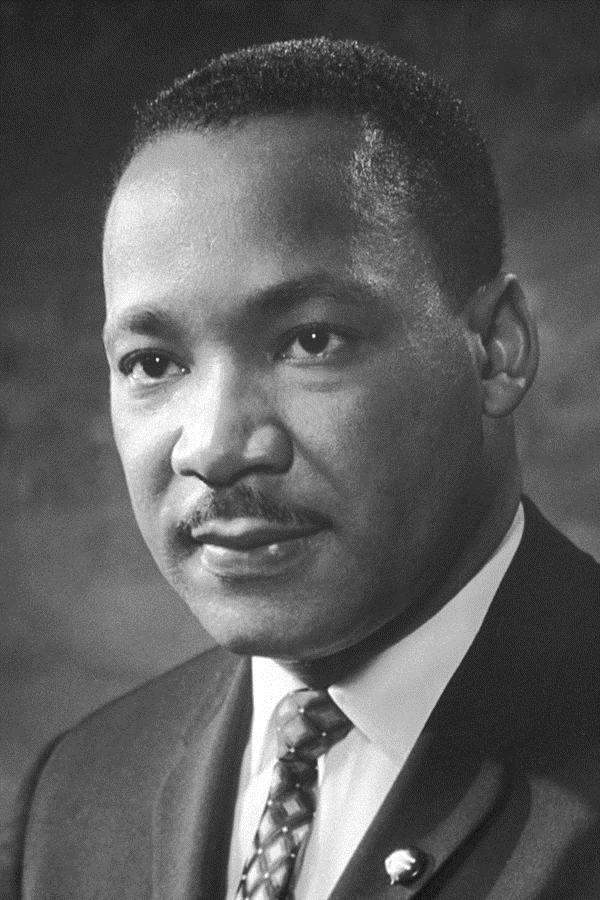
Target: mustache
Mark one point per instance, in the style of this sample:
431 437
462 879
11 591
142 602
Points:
243 501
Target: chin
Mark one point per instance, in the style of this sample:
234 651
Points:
257 635
291 622
255 645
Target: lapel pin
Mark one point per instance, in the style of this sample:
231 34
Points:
405 865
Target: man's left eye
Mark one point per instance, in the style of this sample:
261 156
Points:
313 342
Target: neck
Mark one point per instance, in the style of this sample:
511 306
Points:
489 530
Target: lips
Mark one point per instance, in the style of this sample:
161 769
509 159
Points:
247 534
251 548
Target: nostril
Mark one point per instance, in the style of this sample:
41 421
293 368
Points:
227 458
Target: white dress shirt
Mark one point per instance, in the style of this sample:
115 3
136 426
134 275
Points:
388 702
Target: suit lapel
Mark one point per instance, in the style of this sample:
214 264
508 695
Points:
433 806
192 818
457 773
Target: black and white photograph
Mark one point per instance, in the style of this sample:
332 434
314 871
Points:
300 419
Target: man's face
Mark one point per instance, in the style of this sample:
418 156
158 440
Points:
294 403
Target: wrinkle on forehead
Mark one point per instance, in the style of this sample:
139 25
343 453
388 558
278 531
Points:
280 181
282 176
299 153
253 196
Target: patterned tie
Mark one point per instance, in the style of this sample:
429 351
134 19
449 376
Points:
308 724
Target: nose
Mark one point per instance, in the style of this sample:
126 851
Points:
228 431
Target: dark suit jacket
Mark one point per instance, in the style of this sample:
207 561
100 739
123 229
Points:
501 791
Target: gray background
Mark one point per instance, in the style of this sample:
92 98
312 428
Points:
84 616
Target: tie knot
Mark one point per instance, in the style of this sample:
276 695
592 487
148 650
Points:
308 724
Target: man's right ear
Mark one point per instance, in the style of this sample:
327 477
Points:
505 342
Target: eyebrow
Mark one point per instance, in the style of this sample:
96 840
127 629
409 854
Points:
154 321
284 295
142 320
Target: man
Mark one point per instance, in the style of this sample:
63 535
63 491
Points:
315 355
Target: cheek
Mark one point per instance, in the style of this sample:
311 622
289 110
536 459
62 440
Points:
144 445
391 440
353 440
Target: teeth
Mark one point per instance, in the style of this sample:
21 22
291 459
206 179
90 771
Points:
274 550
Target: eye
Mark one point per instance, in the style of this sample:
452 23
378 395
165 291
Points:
148 366
314 342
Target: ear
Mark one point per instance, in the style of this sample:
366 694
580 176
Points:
505 343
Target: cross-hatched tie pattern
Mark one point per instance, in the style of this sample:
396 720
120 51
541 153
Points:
308 723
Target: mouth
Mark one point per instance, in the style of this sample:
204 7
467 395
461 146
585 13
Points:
251 548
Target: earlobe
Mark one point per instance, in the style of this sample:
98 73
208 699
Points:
506 344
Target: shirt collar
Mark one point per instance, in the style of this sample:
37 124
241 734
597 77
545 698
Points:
270 683
392 697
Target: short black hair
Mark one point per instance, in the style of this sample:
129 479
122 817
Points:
417 134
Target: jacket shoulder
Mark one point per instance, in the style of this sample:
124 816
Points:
552 565
555 610
102 777
130 739
549 539
158 708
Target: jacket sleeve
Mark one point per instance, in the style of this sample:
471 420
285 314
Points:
12 833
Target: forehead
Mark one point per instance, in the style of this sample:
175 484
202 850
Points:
228 212
283 172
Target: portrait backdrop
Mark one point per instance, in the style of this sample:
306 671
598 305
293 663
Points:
84 613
